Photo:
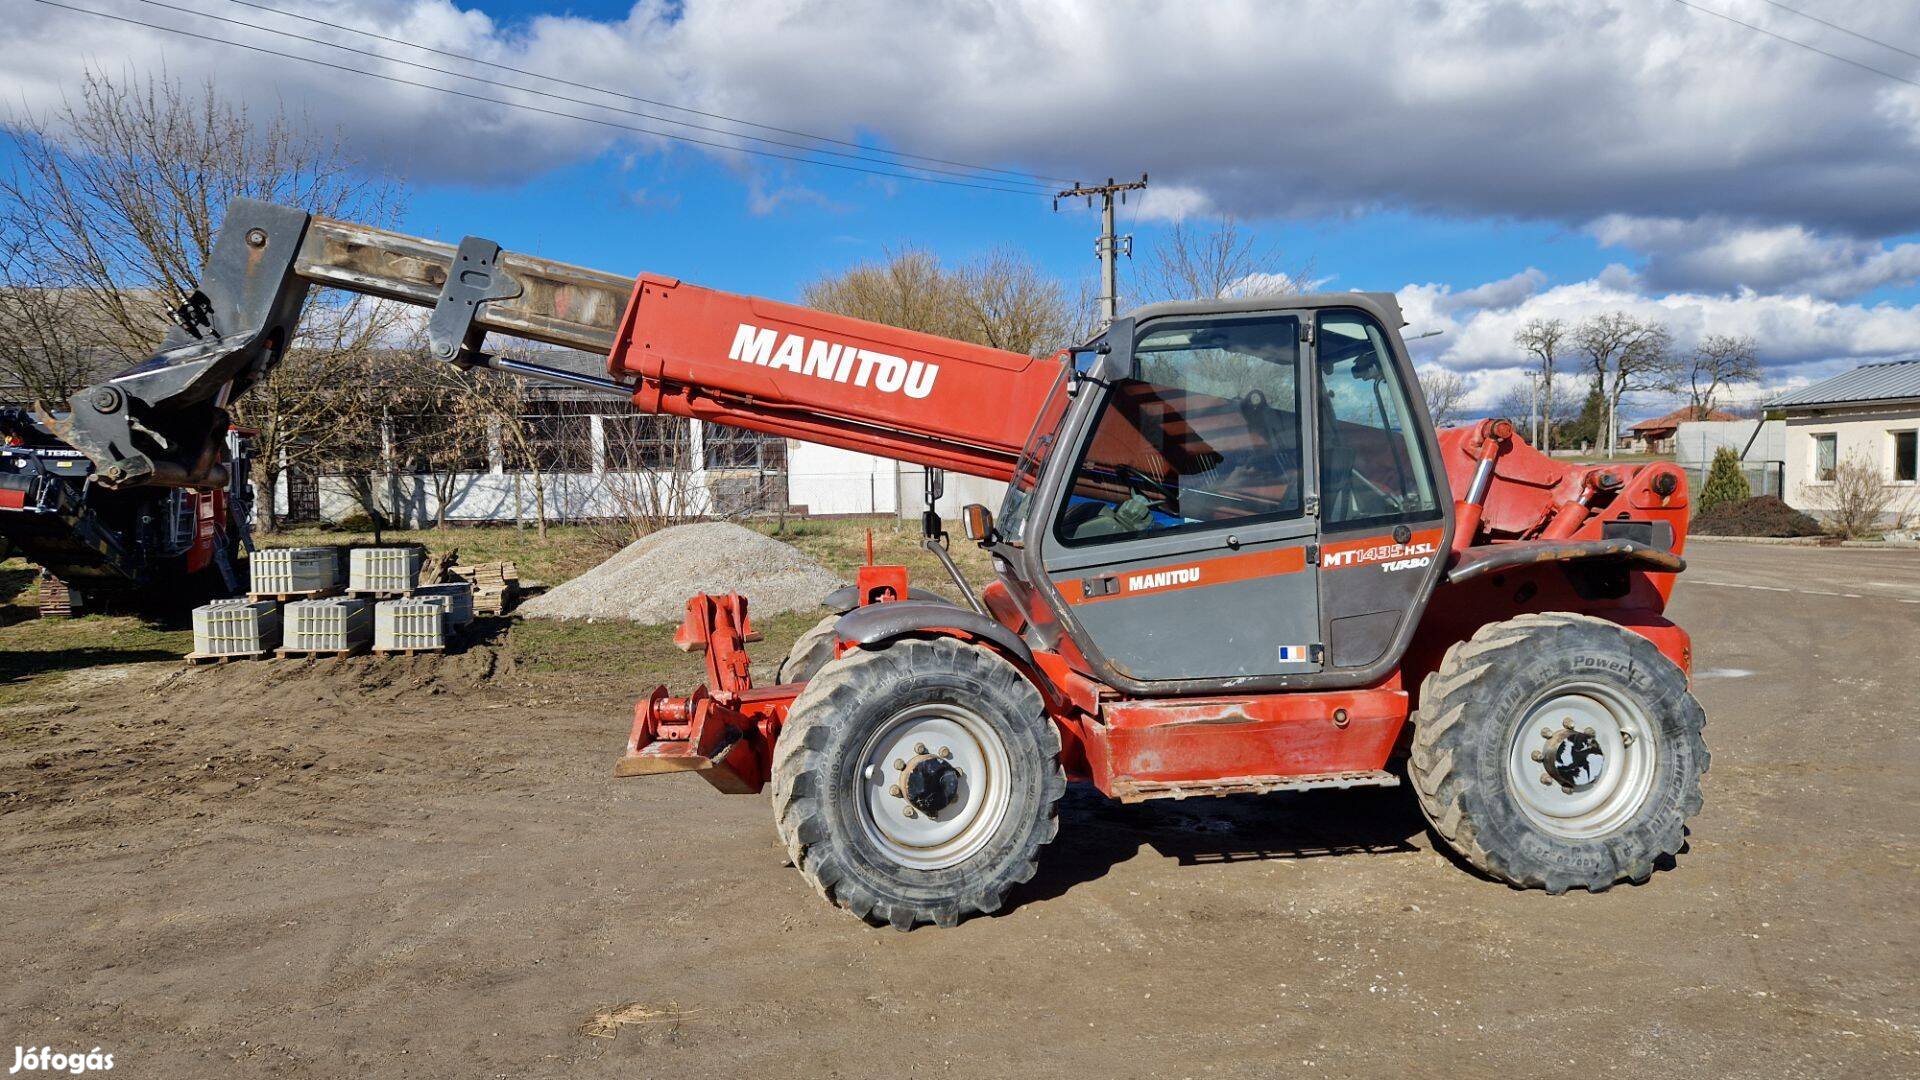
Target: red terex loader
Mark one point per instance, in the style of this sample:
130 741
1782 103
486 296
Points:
1234 556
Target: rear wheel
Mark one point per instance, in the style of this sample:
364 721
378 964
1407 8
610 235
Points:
1559 751
917 782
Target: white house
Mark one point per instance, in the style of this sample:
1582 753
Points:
1869 415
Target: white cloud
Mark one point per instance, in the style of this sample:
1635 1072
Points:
1715 253
1504 293
1800 338
1560 110
1172 202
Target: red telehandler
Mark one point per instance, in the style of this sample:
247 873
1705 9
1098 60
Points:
1234 556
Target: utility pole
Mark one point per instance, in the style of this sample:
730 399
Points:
1110 247
1546 406
1533 407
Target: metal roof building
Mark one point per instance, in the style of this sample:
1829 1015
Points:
1896 380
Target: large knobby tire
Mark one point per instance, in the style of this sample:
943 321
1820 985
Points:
1559 751
810 653
948 723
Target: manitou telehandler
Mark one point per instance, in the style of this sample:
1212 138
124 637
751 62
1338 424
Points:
1234 556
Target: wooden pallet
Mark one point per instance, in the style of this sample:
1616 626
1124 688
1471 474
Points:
379 594
299 654
198 658
57 601
495 585
418 651
287 597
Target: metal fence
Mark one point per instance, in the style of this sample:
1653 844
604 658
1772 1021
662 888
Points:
1764 477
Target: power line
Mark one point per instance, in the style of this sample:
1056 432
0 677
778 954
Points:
1051 180
535 108
573 100
1801 44
1834 26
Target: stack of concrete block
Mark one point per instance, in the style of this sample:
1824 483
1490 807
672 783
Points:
414 624
289 573
384 571
335 625
455 596
235 629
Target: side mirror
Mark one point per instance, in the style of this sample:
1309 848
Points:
979 523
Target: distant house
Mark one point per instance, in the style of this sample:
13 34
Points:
1869 415
1655 436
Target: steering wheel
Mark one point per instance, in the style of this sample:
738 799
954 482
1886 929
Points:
1138 480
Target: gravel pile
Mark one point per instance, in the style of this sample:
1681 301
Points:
651 579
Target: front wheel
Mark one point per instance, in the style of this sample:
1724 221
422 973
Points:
917 782
1559 751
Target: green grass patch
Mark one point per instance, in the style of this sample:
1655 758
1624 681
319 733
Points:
31 647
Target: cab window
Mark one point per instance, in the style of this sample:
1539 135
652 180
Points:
1373 468
1206 432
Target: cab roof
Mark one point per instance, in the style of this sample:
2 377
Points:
1384 306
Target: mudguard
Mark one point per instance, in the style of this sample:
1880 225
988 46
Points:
1485 559
877 624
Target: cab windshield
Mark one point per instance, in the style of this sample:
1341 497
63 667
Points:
1017 508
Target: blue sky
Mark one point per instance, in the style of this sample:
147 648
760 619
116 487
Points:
1492 161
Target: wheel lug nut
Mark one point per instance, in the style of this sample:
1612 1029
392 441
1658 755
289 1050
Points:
1567 722
899 764
920 748
909 811
1566 789
894 791
945 753
1588 733
1546 733
1545 779
1538 756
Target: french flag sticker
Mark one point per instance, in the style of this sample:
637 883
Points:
1293 654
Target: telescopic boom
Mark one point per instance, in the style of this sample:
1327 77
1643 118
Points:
671 348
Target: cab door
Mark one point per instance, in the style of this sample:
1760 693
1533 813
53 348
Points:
1178 542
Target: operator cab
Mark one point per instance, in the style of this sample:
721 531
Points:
1237 494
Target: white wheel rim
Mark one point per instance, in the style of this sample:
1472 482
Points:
1617 731
948 836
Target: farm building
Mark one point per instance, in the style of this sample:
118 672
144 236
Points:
1869 416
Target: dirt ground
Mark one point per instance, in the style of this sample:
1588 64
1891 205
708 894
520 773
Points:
422 868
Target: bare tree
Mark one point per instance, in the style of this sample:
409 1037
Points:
1628 355
1002 299
1855 499
1217 261
1718 360
649 479
1542 340
110 209
1008 303
1446 394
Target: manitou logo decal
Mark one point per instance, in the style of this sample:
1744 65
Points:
884 372
1162 579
